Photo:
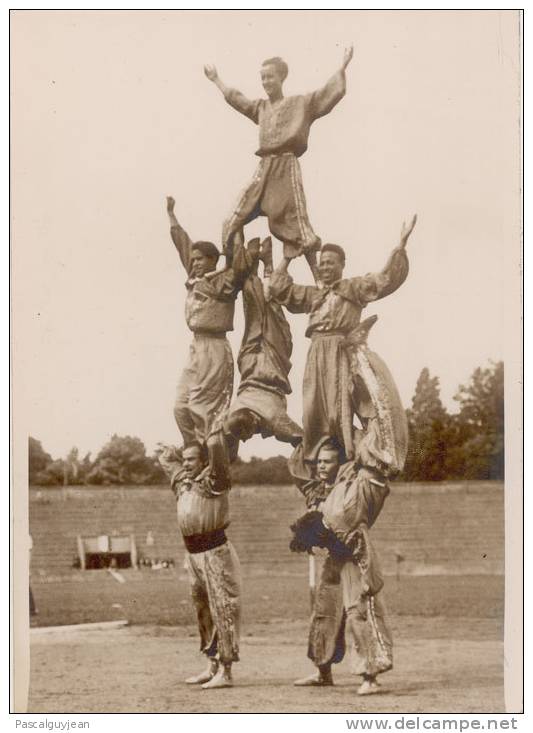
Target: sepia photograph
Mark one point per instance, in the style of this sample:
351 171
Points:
266 361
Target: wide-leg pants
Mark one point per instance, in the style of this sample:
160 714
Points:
347 617
204 389
215 577
276 191
326 633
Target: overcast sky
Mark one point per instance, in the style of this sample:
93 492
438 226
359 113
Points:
111 112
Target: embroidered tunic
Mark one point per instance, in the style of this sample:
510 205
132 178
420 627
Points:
205 387
284 125
276 189
334 387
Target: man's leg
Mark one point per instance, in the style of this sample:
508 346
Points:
326 633
223 576
369 639
284 203
212 388
182 413
287 431
246 208
206 627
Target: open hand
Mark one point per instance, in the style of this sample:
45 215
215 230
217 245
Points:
211 72
348 55
406 231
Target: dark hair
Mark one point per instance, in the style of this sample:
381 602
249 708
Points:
335 248
332 444
241 420
208 249
202 450
280 65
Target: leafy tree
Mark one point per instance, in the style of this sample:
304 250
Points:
53 474
38 459
72 467
481 423
261 471
85 467
123 460
429 432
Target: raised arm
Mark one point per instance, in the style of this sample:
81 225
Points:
377 285
324 100
212 74
171 462
347 57
181 239
237 100
226 283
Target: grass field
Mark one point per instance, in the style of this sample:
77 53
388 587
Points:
450 536
162 598
445 607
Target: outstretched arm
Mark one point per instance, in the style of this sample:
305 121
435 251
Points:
170 459
400 248
323 100
181 239
348 56
212 74
378 285
233 97
406 231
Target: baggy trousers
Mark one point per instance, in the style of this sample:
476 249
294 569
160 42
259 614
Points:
215 577
205 388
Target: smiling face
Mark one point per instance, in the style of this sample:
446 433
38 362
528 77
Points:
192 461
327 464
331 267
201 263
272 80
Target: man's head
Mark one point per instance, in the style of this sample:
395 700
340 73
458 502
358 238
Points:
193 460
242 424
328 462
273 73
332 260
204 258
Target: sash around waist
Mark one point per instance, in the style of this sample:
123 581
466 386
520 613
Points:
206 541
210 334
326 334
277 155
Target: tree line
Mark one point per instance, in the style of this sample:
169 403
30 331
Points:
468 444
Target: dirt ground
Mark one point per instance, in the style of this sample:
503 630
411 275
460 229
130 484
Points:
442 665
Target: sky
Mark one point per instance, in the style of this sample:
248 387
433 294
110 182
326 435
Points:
111 112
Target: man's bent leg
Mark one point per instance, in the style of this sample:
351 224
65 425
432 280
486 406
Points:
246 208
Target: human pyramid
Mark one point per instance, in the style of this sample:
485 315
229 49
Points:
354 436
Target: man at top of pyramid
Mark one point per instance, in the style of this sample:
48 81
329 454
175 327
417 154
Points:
276 189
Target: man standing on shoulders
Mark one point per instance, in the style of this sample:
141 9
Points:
205 388
276 190
331 394
201 487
